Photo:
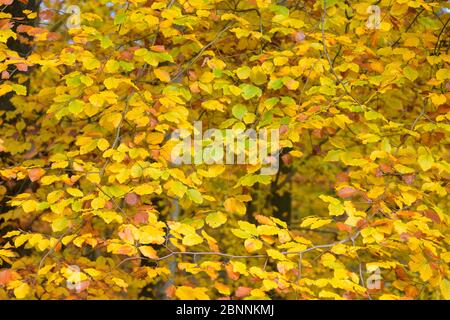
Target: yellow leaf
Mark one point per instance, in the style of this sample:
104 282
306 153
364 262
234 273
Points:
44 270
266 230
144 189
445 289
213 105
74 192
29 206
223 289
112 83
112 66
119 282
335 207
177 188
98 203
19 240
243 72
68 239
92 272
410 73
195 196
148 251
240 233
319 223
233 205
239 267
445 256
248 227
252 245
216 219
90 63
155 137
192 239
102 144
275 254
59 224
329 294
425 272
375 192
162 75
7 253
438 99
403 169
54 196
425 159
22 290
269 284
189 293
443 74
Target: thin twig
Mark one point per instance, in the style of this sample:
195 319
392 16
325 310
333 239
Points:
231 256
327 55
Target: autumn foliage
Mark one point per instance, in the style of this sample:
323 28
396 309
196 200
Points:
91 205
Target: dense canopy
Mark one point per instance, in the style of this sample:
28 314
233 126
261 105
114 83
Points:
92 205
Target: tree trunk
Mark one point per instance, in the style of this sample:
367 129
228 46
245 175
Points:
22 44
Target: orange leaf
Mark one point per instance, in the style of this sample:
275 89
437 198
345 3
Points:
35 174
162 75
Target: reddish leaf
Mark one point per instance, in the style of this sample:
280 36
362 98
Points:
242 292
140 217
343 227
299 36
22 67
432 215
46 14
132 199
287 159
346 192
6 276
35 174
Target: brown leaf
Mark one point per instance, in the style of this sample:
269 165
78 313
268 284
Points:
299 36
346 192
22 67
343 227
409 178
46 14
242 292
140 217
6 276
231 274
132 199
35 174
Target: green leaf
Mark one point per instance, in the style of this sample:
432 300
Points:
216 219
120 18
275 84
425 159
243 72
20 89
76 106
250 91
239 110
410 73
195 196
59 224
